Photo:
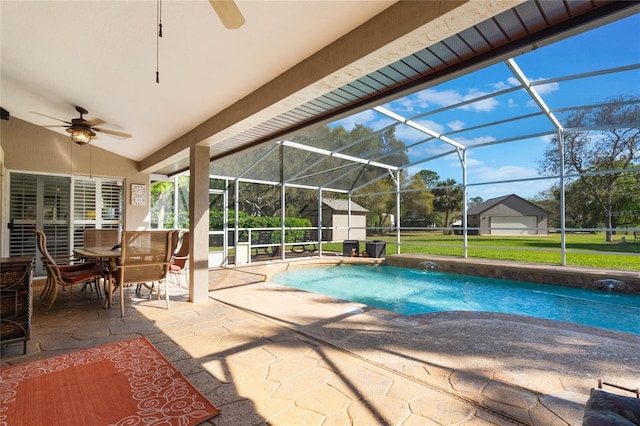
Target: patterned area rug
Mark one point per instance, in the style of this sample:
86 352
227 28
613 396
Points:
126 383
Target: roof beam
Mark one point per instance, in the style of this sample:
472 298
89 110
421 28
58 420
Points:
533 93
419 127
335 154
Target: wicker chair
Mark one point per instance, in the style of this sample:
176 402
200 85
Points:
64 275
145 258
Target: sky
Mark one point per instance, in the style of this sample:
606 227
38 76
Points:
614 45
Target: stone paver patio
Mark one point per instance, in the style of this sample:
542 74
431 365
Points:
267 354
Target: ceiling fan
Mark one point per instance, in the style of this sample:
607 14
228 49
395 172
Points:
228 13
83 130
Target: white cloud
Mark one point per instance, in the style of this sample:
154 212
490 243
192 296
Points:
472 162
486 173
409 134
545 89
456 125
503 85
475 141
523 189
441 98
430 149
431 125
367 118
484 105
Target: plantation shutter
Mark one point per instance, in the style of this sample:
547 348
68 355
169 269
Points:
38 202
47 202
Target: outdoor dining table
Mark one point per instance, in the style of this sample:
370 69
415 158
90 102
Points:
109 257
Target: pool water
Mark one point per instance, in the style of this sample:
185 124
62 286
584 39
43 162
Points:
410 292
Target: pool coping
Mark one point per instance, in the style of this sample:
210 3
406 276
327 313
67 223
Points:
569 276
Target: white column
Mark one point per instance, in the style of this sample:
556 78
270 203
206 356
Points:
398 176
199 223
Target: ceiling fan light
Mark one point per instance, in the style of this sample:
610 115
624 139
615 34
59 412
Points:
81 137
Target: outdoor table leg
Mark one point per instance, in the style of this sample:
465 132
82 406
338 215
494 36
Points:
111 267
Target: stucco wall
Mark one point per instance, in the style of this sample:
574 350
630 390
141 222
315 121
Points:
26 147
342 220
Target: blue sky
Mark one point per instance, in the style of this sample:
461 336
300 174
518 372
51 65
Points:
614 45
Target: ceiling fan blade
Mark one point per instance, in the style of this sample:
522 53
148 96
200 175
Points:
228 13
112 132
53 118
56 125
95 122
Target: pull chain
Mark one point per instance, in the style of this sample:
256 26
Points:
159 22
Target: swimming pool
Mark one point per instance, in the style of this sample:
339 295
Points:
410 292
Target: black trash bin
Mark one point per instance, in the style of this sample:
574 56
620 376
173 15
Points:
351 248
376 248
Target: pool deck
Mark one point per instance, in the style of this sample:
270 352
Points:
269 354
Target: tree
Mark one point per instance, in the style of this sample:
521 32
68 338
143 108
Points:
429 177
448 198
417 200
549 200
161 194
599 157
475 200
380 203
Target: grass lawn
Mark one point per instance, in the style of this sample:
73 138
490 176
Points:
586 249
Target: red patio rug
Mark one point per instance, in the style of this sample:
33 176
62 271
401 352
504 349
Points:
125 383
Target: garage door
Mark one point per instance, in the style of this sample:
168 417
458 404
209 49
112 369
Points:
514 225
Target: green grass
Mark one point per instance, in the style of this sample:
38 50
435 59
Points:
588 250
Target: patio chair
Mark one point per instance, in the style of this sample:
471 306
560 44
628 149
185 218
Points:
307 240
64 275
100 238
606 408
180 259
144 259
262 239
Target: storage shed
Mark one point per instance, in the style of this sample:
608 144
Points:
335 214
507 215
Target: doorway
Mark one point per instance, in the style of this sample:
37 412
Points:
48 203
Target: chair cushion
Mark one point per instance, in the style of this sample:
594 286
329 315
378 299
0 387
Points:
81 275
78 267
175 268
604 408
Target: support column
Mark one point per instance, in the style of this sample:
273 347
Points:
236 214
397 221
465 207
563 212
320 227
349 216
283 196
199 223
176 205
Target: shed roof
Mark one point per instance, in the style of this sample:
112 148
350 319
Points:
337 204
486 205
